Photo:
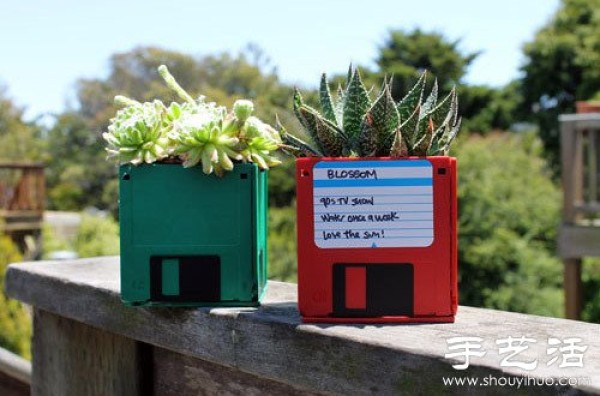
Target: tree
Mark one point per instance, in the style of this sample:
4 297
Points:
78 172
485 109
591 285
562 66
406 54
282 244
19 139
509 209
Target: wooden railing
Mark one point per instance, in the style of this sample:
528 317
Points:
579 233
22 186
87 342
22 194
22 201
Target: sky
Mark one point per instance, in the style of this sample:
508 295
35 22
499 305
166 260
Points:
46 46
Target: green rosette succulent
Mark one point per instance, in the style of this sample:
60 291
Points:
193 132
137 133
203 136
259 140
354 125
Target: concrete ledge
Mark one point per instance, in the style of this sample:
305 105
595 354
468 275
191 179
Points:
271 342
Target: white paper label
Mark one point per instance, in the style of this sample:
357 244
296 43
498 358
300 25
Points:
373 204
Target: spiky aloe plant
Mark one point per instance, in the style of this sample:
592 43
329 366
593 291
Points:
353 125
191 132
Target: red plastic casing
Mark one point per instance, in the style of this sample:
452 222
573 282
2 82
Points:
434 267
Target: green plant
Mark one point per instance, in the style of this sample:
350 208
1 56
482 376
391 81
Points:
282 244
15 322
591 286
353 125
509 212
96 236
191 132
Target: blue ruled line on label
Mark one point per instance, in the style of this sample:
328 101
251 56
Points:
371 194
407 182
374 164
368 212
426 237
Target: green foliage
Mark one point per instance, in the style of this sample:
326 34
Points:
509 211
19 140
96 236
562 66
282 244
353 125
282 184
15 322
405 55
78 173
484 109
51 242
591 286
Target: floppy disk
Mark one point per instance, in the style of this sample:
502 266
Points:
377 239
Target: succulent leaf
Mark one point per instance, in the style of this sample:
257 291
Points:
298 102
449 137
174 85
298 147
409 128
310 117
367 143
326 101
442 117
124 101
329 137
306 115
350 74
399 147
384 122
445 111
412 99
243 109
356 104
339 107
425 136
431 100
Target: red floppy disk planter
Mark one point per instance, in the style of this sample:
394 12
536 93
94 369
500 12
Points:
377 212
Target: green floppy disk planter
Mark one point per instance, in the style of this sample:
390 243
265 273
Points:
190 239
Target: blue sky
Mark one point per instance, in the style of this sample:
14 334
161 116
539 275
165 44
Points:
45 46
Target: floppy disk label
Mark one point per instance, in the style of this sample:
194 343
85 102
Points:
373 204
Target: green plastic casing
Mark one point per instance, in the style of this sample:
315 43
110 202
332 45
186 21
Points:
190 239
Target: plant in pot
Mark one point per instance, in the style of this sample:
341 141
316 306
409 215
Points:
193 200
376 205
